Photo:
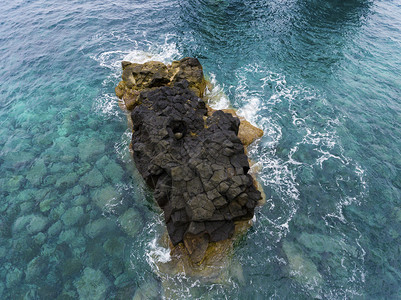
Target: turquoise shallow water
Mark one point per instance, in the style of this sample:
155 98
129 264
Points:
323 80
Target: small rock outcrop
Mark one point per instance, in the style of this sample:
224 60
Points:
189 154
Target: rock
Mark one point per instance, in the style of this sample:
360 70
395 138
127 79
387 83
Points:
150 74
301 268
113 172
80 200
247 133
93 178
138 77
83 168
325 244
17 159
39 238
26 207
55 228
3 252
114 246
116 266
45 205
67 180
13 277
50 180
67 236
196 244
15 183
192 158
36 172
76 190
58 168
92 285
72 215
189 69
58 211
123 280
102 162
90 148
27 195
148 291
71 267
31 223
36 268
131 222
98 227
106 196
175 168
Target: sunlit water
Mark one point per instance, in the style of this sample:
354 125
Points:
321 78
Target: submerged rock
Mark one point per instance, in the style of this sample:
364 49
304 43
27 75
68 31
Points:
131 222
99 227
13 277
72 215
190 155
302 268
93 284
31 223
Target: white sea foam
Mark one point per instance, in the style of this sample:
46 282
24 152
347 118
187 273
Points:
122 147
110 59
217 99
168 52
250 110
274 171
157 253
140 53
315 129
107 104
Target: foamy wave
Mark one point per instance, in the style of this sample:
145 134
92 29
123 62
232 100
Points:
168 53
217 99
280 109
275 172
313 125
122 147
157 254
250 110
110 59
140 53
107 104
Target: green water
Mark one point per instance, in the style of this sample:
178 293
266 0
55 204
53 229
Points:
321 78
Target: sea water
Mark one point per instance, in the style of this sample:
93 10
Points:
321 78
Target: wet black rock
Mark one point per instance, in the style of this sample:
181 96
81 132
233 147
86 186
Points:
194 162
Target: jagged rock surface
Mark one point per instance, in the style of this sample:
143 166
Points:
195 162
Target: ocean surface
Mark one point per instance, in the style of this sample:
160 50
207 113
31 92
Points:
321 78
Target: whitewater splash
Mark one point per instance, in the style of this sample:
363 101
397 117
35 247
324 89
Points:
105 104
217 99
301 148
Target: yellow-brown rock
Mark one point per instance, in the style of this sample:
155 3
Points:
190 70
153 74
215 260
147 75
247 133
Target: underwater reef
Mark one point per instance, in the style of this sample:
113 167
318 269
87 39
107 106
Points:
191 155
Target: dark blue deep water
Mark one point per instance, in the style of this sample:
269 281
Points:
323 80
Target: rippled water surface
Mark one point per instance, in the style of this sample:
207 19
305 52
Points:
323 80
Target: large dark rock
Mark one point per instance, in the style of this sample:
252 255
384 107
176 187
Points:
195 162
